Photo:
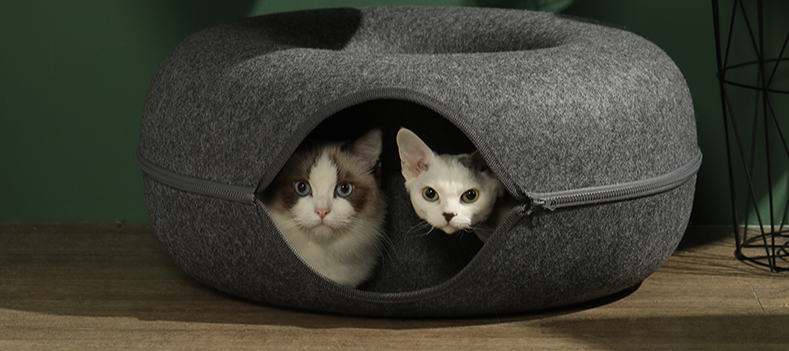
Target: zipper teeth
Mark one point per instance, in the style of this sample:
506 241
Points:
196 185
568 200
211 191
553 201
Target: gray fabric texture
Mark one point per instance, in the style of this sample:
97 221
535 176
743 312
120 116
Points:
552 103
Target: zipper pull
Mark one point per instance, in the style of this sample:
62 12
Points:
534 205
539 205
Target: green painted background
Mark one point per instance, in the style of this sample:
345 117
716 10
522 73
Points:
73 78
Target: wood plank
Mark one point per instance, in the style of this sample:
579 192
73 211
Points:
108 286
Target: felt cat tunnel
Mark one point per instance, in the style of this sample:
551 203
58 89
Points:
590 129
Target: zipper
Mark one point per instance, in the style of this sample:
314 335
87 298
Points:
195 185
612 193
539 201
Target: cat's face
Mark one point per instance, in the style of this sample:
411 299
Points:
451 193
329 190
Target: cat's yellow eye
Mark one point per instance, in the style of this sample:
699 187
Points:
470 196
430 194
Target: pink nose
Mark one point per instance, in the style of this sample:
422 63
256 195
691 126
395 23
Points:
322 212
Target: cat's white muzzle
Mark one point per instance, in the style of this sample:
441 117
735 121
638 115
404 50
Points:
455 224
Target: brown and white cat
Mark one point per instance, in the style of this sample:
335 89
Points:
450 192
328 202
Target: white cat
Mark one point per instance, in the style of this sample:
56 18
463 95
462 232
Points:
328 202
450 192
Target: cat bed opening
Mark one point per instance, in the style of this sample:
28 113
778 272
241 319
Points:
590 128
414 256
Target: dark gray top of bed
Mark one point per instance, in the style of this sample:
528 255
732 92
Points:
561 104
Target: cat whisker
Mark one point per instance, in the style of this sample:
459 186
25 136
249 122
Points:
432 228
415 231
418 226
288 224
483 229
384 241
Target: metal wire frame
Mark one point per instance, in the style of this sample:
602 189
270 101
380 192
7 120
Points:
767 246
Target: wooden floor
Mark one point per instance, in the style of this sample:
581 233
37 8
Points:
111 287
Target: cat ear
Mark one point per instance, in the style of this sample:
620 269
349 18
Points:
415 155
368 146
476 162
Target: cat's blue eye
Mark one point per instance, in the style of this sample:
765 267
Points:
430 194
302 188
469 196
344 189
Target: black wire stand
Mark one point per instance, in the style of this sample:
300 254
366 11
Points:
758 155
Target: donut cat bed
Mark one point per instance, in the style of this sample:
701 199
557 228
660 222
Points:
590 128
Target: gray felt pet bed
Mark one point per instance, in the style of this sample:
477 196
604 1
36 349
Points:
589 127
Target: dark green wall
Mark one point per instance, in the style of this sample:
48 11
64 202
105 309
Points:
74 77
